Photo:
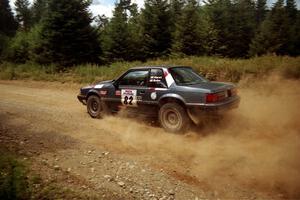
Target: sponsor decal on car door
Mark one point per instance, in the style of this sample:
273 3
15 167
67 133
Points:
129 97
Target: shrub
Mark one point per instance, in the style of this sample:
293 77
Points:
3 43
18 48
291 70
212 67
23 46
13 181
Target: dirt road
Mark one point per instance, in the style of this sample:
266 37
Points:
252 154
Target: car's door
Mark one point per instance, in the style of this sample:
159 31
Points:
157 86
149 95
132 87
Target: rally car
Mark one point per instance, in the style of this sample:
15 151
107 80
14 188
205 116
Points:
177 95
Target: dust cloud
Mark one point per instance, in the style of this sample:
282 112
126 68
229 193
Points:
256 145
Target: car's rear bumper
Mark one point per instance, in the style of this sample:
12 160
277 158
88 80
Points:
82 99
212 108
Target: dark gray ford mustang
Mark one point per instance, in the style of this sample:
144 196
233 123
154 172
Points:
176 94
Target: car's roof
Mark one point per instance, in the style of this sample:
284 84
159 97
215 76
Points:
157 66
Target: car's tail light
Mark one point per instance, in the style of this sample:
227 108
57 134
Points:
211 98
222 95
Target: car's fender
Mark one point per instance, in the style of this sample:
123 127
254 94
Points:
92 92
171 96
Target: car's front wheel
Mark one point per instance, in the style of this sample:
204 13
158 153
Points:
95 107
174 118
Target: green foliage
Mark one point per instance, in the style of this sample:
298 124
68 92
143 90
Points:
61 32
38 10
67 36
17 182
188 36
273 34
291 9
8 24
13 181
121 39
176 9
18 49
243 28
235 22
22 47
33 71
296 36
293 30
261 11
209 33
219 12
156 27
23 14
3 43
118 37
135 48
223 69
92 73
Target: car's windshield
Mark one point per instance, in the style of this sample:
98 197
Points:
186 76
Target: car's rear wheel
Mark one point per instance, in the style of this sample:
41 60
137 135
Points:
174 118
95 107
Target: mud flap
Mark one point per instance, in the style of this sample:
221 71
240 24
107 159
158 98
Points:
193 117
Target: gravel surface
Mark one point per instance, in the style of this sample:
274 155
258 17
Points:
117 158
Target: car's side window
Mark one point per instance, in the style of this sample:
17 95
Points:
157 79
135 78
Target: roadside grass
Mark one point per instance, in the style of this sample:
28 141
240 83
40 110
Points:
212 67
13 180
17 181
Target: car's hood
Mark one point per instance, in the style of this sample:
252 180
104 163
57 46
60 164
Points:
99 84
213 86
103 82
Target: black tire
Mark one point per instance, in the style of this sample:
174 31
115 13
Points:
95 107
174 118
